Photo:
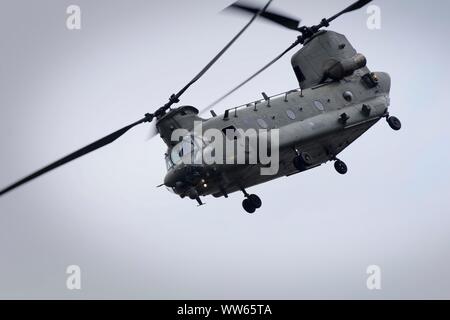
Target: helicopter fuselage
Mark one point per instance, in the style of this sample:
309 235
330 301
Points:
339 101
321 121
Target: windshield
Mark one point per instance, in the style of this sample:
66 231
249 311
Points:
169 163
184 151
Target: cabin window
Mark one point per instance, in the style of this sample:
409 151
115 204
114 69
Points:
290 114
262 123
319 105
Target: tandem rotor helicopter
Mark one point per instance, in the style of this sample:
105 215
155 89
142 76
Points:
338 100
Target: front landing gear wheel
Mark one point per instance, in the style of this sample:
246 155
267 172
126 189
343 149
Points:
394 123
255 201
248 206
340 167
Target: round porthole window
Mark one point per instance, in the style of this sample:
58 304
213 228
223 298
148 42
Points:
290 114
319 105
262 123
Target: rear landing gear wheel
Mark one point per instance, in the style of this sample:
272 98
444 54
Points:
394 123
251 202
340 167
248 206
255 201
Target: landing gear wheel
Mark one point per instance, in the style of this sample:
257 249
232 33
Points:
248 206
340 167
302 161
255 201
394 123
298 164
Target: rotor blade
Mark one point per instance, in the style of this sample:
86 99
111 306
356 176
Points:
357 5
250 78
283 20
176 97
75 155
152 132
149 117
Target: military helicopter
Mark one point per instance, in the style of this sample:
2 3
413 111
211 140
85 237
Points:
337 101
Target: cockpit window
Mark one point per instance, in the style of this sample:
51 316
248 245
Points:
169 163
185 150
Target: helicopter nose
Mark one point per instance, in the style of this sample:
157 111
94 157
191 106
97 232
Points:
173 178
182 176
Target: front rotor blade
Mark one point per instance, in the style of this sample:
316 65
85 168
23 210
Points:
357 5
152 131
176 97
283 20
75 155
161 111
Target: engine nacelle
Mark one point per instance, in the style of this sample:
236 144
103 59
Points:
344 68
326 55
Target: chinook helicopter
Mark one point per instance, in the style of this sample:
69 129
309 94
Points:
337 101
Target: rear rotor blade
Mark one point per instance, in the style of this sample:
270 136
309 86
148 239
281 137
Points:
75 155
281 19
355 6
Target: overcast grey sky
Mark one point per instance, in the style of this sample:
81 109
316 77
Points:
317 232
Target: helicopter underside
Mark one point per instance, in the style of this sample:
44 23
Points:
322 150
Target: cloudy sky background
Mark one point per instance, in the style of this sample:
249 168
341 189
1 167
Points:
317 232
